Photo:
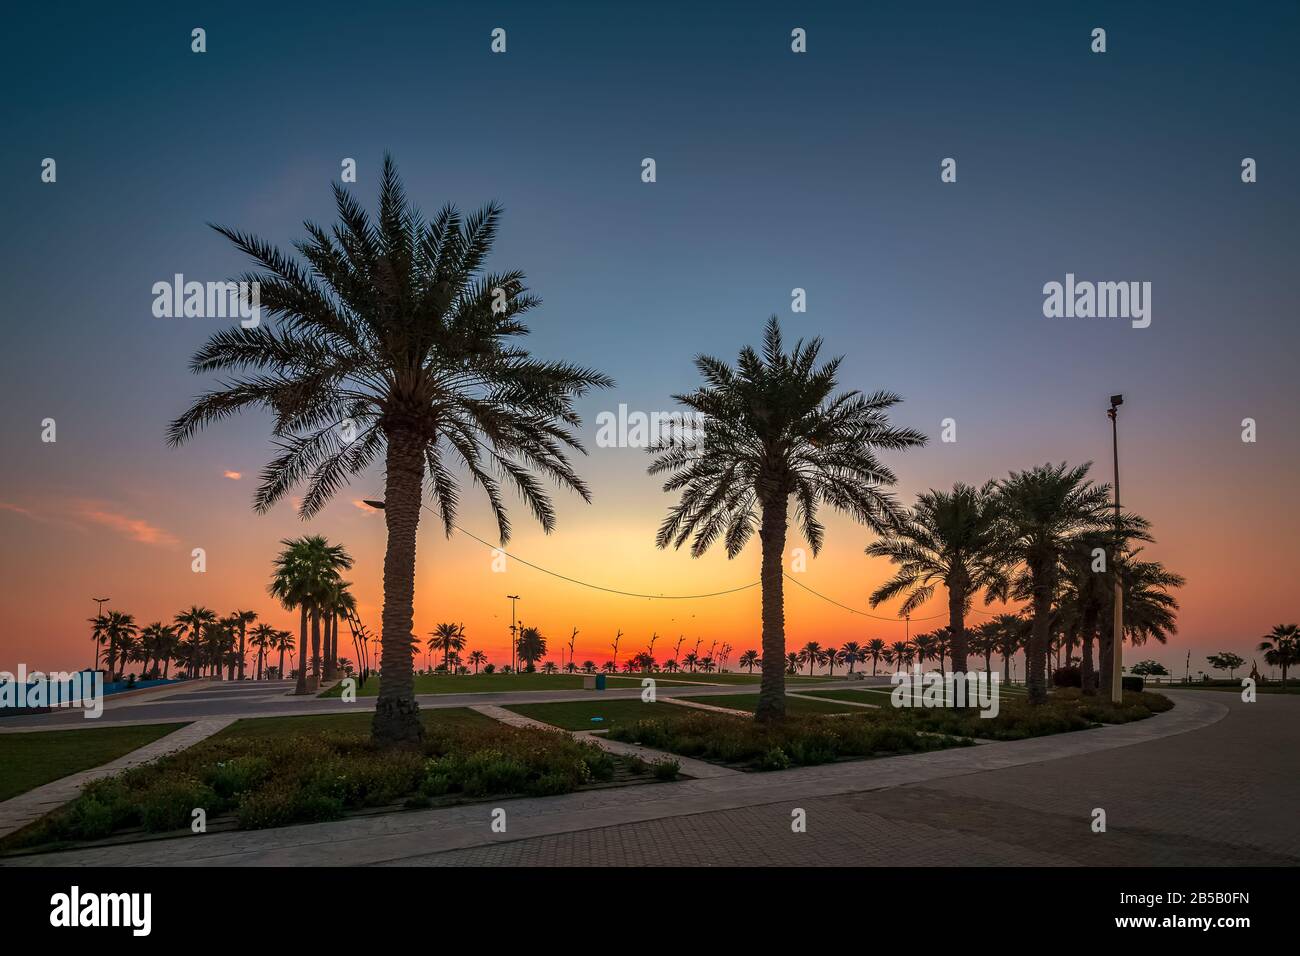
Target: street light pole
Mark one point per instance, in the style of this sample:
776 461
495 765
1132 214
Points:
99 612
514 636
1117 636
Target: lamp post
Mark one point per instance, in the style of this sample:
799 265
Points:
99 612
514 635
1117 635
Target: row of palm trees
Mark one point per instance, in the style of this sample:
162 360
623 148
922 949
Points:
393 343
197 640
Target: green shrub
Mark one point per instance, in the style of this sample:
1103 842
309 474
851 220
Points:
170 805
667 768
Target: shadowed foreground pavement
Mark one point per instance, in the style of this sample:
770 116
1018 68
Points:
1225 794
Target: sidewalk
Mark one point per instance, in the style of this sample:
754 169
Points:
422 836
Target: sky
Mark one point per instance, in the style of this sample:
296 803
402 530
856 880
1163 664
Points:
774 171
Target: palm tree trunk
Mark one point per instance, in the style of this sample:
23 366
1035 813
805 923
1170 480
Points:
1036 652
281 662
397 716
1087 675
771 696
1105 654
242 629
956 628
301 687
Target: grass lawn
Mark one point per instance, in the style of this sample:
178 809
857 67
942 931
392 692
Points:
1292 687
272 772
578 715
793 705
263 727
498 683
30 760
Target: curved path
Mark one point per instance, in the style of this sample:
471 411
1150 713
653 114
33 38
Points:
1213 781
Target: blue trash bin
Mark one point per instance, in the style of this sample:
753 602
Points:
600 682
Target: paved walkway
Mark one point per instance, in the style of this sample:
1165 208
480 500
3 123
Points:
28 807
692 768
1213 781
238 699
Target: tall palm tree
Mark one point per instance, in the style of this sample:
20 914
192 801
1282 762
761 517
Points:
810 654
114 628
531 647
899 654
242 619
1044 512
875 650
924 647
155 644
261 638
282 642
773 430
749 659
1281 647
337 600
394 340
477 658
851 653
984 641
949 538
192 623
832 656
447 638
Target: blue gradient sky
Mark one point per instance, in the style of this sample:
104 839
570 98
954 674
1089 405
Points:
774 171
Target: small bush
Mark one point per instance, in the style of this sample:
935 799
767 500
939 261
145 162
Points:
1067 677
1135 684
667 769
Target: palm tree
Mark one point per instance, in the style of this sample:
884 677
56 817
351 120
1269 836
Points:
155 645
1044 512
336 600
261 637
875 650
282 642
749 659
115 629
832 656
1149 608
899 654
549 667
304 575
531 647
984 641
609 667
924 646
810 654
772 430
242 620
447 638
477 658
193 622
393 340
589 667
850 654
791 663
1281 647
690 660
1012 632
949 538
671 666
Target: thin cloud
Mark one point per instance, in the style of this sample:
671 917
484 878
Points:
232 475
137 529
